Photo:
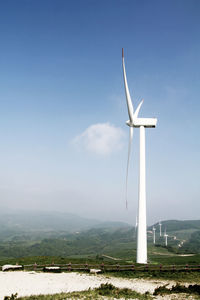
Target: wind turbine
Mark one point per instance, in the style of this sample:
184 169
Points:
165 235
160 228
154 236
140 123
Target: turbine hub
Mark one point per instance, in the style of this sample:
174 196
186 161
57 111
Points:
129 123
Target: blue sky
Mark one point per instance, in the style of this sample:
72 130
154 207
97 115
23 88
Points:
63 111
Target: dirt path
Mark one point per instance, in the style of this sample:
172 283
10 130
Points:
34 283
27 283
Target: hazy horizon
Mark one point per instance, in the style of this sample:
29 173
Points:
7 211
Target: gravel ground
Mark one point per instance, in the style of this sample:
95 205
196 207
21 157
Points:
35 283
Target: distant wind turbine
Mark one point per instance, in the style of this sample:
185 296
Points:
160 228
141 123
165 236
154 236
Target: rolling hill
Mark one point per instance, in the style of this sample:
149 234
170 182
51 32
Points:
66 235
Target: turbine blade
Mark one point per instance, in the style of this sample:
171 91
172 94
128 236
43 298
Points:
138 109
128 160
128 97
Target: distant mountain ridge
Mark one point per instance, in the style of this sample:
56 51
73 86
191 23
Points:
50 221
176 225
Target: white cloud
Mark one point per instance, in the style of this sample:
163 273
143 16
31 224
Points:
102 139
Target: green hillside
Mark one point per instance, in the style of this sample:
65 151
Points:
91 242
90 239
192 245
183 236
176 225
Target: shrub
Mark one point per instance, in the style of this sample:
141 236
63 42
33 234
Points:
191 289
106 289
12 297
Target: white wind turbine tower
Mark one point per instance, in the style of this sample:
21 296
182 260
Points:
165 235
140 123
154 236
160 228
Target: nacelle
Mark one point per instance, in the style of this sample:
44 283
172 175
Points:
146 122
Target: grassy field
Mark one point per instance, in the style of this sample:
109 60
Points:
156 256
